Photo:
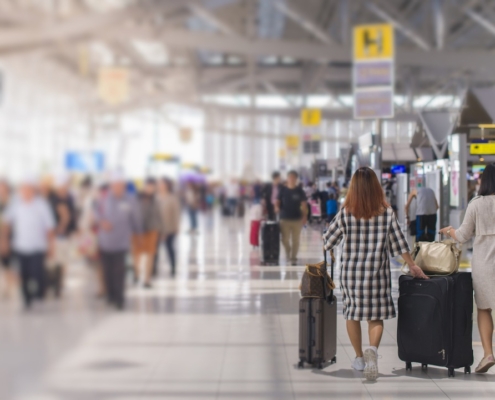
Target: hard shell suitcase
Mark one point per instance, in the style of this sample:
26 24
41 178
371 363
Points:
318 329
254 233
435 321
270 242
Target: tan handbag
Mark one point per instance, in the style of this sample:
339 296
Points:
437 258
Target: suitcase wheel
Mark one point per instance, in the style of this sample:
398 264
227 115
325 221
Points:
451 372
424 367
333 360
408 366
467 370
320 366
300 364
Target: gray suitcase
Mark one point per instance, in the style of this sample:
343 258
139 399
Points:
318 330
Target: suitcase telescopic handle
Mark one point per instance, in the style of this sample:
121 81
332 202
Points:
325 275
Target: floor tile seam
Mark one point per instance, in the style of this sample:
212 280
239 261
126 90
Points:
436 384
285 351
350 360
224 356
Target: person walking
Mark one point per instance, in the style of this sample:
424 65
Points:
144 245
479 222
369 231
292 206
169 210
30 221
426 213
118 216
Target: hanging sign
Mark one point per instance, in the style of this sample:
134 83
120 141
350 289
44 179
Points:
185 134
292 142
373 71
311 117
113 85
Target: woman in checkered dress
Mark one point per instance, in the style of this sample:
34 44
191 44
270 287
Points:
369 230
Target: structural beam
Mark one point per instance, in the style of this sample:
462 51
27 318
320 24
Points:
212 19
399 25
303 21
480 20
439 23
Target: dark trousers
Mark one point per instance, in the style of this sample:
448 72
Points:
113 263
169 246
32 267
193 218
426 226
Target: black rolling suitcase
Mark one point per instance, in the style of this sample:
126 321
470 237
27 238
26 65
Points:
435 321
318 328
270 242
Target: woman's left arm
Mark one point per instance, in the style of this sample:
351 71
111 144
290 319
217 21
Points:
467 229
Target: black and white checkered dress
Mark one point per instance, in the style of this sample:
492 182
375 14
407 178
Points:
365 269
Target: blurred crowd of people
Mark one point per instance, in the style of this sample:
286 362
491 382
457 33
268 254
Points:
46 225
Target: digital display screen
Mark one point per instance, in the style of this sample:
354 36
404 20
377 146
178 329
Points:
477 168
398 169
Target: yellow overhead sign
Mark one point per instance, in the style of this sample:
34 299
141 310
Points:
373 42
164 157
311 116
292 142
486 126
482 148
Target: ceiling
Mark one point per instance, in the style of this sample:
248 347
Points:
186 50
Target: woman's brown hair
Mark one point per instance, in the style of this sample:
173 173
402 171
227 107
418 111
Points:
365 198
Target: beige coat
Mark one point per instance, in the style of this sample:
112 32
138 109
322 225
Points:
170 213
479 223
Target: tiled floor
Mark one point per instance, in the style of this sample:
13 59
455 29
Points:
225 328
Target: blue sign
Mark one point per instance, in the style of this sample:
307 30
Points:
86 161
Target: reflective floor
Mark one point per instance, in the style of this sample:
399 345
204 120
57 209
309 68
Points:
225 328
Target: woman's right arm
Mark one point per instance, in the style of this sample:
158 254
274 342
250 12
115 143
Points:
334 232
416 271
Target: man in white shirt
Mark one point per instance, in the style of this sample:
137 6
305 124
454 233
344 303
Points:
232 194
32 223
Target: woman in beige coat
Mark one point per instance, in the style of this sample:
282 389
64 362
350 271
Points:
170 213
479 223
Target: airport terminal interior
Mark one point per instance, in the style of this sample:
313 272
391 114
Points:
170 171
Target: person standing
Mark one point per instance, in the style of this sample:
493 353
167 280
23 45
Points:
369 231
64 210
292 206
426 213
145 243
232 195
169 209
192 203
118 217
6 259
270 196
30 220
479 223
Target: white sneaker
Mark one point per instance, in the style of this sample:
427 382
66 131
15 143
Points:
371 368
358 364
